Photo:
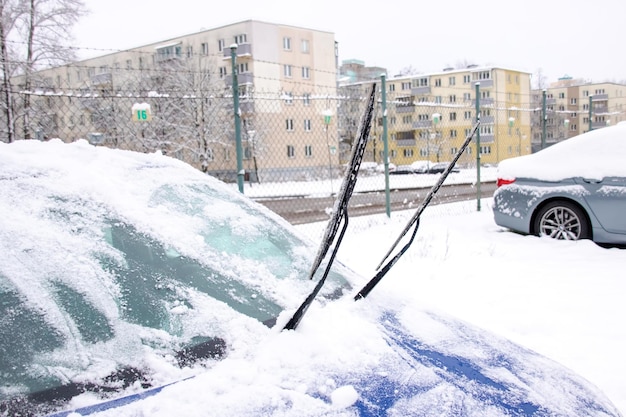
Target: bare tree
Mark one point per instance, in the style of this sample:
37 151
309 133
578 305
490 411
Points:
539 80
10 10
44 27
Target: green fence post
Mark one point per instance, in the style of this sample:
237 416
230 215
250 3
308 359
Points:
237 113
383 84
590 123
544 121
478 193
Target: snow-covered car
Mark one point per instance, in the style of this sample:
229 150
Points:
133 284
575 189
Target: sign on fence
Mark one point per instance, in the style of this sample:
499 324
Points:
141 112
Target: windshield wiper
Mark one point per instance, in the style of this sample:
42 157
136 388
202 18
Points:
414 221
340 212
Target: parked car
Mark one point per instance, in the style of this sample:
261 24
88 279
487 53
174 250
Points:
402 170
575 189
439 167
128 276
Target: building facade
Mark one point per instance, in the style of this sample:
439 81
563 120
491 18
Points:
574 106
429 115
176 96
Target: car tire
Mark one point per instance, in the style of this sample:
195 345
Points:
562 220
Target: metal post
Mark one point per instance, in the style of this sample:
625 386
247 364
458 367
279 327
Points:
383 83
544 121
237 113
478 193
590 104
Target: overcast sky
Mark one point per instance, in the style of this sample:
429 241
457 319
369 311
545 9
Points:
578 38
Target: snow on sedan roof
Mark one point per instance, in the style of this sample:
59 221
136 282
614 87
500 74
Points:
595 155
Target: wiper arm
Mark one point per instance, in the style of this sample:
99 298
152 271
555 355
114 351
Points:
413 222
340 212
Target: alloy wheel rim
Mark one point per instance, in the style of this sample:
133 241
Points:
560 223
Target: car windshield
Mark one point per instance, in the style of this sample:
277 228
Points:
97 280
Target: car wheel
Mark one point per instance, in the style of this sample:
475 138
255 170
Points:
562 220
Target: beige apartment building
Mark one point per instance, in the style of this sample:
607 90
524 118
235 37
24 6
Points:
176 96
574 106
429 115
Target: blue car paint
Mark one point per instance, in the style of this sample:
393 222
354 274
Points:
381 394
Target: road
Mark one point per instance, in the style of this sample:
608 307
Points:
306 210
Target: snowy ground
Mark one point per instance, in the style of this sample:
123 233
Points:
564 300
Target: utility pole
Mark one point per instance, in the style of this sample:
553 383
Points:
237 114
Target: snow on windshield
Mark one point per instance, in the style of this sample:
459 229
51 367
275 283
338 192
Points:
595 155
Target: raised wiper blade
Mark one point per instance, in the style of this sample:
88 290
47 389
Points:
414 221
340 211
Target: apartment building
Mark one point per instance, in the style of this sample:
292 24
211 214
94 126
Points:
176 96
429 115
574 106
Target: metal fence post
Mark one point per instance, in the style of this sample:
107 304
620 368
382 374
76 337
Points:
478 194
385 144
590 105
544 121
237 113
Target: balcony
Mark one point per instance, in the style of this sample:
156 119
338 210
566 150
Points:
104 78
417 91
486 120
404 108
244 49
421 124
242 79
405 142
484 101
484 83
599 97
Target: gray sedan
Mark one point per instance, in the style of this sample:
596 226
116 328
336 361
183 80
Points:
573 190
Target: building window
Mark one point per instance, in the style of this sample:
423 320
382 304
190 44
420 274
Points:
243 67
306 73
226 154
408 153
466 79
205 48
453 133
438 82
287 70
287 43
306 99
221 44
291 151
453 116
392 87
405 86
452 98
561 95
223 72
307 125
407 119
289 125
308 151
423 152
573 100
467 115
288 97
452 81
239 39
467 97
305 46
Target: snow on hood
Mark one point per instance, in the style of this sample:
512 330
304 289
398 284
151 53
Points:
595 155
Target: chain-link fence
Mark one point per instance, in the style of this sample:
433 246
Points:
294 142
